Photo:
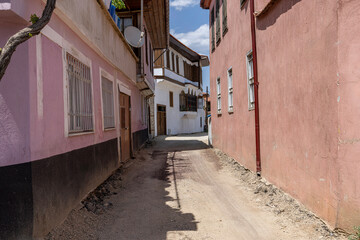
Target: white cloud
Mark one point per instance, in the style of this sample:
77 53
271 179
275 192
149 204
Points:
197 40
180 4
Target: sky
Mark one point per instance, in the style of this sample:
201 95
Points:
190 24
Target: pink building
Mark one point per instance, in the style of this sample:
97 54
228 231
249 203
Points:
303 55
73 106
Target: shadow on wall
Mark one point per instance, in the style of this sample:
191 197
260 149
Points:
148 209
270 17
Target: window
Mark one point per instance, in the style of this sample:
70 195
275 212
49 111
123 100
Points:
212 30
218 90
108 103
200 103
217 15
201 122
80 109
151 59
173 61
168 59
230 89
171 99
177 63
124 22
242 2
146 48
188 102
250 80
224 10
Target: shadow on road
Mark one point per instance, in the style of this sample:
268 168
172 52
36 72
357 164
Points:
146 209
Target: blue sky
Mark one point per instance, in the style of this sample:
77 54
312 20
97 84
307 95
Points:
189 23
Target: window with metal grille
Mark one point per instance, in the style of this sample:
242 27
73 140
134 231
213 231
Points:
80 108
230 90
108 103
250 78
218 90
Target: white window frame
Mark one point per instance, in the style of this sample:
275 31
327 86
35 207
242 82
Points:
68 49
250 81
109 77
218 91
230 90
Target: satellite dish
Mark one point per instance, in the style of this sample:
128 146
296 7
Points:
134 36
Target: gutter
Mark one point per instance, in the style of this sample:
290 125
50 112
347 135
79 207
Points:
256 89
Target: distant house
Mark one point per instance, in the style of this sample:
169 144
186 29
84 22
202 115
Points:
74 105
284 79
179 103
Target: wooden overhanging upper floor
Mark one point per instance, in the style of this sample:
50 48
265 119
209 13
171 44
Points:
156 16
180 63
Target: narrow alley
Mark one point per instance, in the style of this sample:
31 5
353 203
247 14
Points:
179 188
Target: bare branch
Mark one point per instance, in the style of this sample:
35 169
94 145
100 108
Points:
24 35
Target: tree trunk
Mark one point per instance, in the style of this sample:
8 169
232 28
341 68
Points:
24 35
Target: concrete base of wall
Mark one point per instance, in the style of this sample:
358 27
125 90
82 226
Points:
37 196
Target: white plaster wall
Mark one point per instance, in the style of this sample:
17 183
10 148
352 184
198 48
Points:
177 122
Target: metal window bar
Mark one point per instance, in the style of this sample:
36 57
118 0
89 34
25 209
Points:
108 103
80 96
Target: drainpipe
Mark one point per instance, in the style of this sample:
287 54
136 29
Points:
256 88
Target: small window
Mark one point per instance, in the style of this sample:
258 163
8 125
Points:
171 99
80 107
108 103
230 90
201 122
124 22
250 80
218 90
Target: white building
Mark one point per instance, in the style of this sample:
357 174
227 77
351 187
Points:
179 104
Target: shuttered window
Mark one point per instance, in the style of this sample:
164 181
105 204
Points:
108 103
159 63
80 109
224 15
217 16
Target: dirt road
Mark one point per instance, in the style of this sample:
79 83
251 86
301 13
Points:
181 189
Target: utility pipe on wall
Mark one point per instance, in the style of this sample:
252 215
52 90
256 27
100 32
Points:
256 88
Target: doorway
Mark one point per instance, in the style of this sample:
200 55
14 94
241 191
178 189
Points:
161 120
124 104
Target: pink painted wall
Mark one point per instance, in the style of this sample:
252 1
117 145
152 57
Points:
238 138
349 112
14 104
298 108
309 108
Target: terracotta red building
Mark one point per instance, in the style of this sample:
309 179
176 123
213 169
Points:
285 82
